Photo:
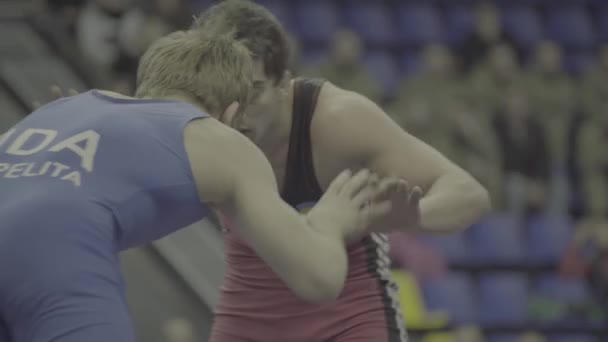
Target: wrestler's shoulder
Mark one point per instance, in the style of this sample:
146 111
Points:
339 116
335 102
339 107
216 154
210 134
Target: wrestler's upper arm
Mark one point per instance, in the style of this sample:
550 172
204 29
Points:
367 136
226 165
235 176
205 141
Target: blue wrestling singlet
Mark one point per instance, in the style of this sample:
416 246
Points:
81 179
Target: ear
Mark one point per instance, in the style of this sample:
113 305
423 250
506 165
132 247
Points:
229 113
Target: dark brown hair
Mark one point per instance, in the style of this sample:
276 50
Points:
255 27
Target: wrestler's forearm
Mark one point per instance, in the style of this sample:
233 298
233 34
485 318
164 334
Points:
311 262
453 203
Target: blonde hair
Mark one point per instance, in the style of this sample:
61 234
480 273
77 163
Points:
216 70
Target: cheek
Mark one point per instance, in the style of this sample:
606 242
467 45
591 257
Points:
254 114
260 111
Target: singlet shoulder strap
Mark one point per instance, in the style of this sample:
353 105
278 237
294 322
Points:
301 183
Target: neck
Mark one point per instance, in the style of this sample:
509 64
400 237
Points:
182 97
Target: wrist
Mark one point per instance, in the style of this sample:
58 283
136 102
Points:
432 220
319 223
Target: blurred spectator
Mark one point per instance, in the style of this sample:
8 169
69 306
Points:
551 96
473 146
139 30
487 34
113 34
419 118
594 90
593 163
524 152
99 28
67 11
587 256
433 106
174 13
344 66
493 78
435 83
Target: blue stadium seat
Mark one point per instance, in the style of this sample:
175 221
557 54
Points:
459 21
453 2
579 62
372 21
522 23
419 24
547 238
568 292
596 3
548 3
506 3
503 299
199 5
315 21
281 10
497 240
454 247
384 69
571 338
503 338
312 56
601 23
410 62
570 26
454 294
564 289
434 2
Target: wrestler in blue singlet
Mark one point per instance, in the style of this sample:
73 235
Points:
81 179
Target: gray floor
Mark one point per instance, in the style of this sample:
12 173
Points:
156 294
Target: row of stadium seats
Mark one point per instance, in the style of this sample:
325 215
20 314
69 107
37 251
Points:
417 23
395 32
447 337
492 300
502 240
500 298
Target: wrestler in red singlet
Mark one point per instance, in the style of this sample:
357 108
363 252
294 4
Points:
256 306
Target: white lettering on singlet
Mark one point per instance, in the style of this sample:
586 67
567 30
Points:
49 169
17 148
32 141
4 137
87 154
